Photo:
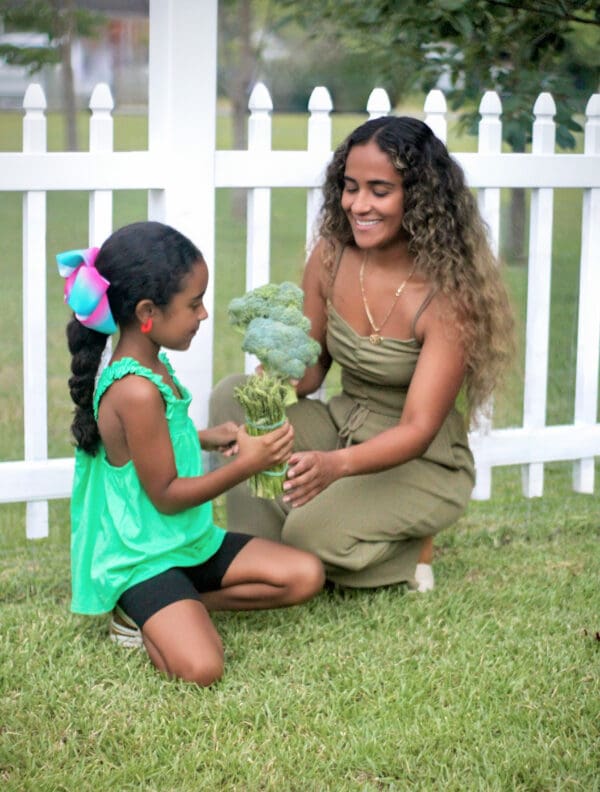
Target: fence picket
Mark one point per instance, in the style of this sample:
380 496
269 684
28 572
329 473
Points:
435 114
378 103
319 144
258 241
35 390
101 140
538 293
588 331
490 142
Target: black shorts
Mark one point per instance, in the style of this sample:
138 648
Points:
178 583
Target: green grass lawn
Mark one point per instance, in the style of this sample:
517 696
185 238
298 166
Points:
491 682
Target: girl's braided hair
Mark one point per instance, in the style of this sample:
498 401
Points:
141 261
448 241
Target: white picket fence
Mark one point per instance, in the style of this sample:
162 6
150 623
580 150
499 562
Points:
181 170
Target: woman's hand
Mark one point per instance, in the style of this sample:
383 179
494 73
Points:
266 451
309 473
222 438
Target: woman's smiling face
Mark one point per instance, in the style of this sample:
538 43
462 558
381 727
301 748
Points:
372 197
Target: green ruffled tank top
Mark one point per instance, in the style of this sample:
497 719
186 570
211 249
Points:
118 537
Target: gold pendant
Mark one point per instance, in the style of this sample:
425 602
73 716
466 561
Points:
375 339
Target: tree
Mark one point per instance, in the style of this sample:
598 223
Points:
61 21
515 47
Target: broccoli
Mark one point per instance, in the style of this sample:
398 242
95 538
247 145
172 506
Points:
277 332
283 349
265 300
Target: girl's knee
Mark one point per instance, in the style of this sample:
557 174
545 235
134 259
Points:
202 670
308 577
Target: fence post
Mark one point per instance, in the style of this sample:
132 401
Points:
588 331
378 103
182 101
435 114
538 294
258 242
490 142
319 143
35 389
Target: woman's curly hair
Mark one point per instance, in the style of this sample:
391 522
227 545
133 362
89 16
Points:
141 261
448 241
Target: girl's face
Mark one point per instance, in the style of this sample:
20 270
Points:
372 197
176 324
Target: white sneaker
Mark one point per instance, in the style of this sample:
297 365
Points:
124 631
424 580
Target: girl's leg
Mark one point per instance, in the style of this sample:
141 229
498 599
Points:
177 631
182 641
266 574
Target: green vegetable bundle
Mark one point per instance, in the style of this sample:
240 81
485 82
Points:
277 332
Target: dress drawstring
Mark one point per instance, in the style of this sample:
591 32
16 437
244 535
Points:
356 418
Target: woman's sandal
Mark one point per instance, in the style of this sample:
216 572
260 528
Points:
124 631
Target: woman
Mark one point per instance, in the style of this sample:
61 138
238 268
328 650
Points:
403 292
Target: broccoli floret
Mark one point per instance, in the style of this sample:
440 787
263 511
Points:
266 301
290 315
283 349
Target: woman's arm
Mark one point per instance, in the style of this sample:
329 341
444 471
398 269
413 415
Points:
141 412
435 384
315 308
220 438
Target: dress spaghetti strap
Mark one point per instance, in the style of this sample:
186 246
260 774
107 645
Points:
420 309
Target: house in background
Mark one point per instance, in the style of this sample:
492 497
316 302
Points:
118 56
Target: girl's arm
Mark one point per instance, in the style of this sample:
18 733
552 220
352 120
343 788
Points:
141 412
434 387
315 308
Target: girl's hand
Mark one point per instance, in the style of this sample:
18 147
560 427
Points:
222 438
268 450
309 473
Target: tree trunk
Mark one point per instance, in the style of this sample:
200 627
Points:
68 81
240 95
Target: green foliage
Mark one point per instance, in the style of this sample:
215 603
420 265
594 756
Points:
346 75
59 20
516 49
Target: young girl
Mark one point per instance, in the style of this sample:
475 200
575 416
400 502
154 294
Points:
404 293
143 538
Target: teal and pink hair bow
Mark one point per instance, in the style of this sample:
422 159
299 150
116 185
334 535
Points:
85 289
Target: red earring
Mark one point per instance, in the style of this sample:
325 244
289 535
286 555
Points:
146 326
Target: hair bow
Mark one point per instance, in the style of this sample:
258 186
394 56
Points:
85 289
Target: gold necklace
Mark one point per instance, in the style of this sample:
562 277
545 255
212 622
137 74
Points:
375 337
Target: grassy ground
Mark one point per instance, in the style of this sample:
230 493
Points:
490 683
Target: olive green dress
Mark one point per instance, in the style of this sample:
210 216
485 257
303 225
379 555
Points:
367 529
